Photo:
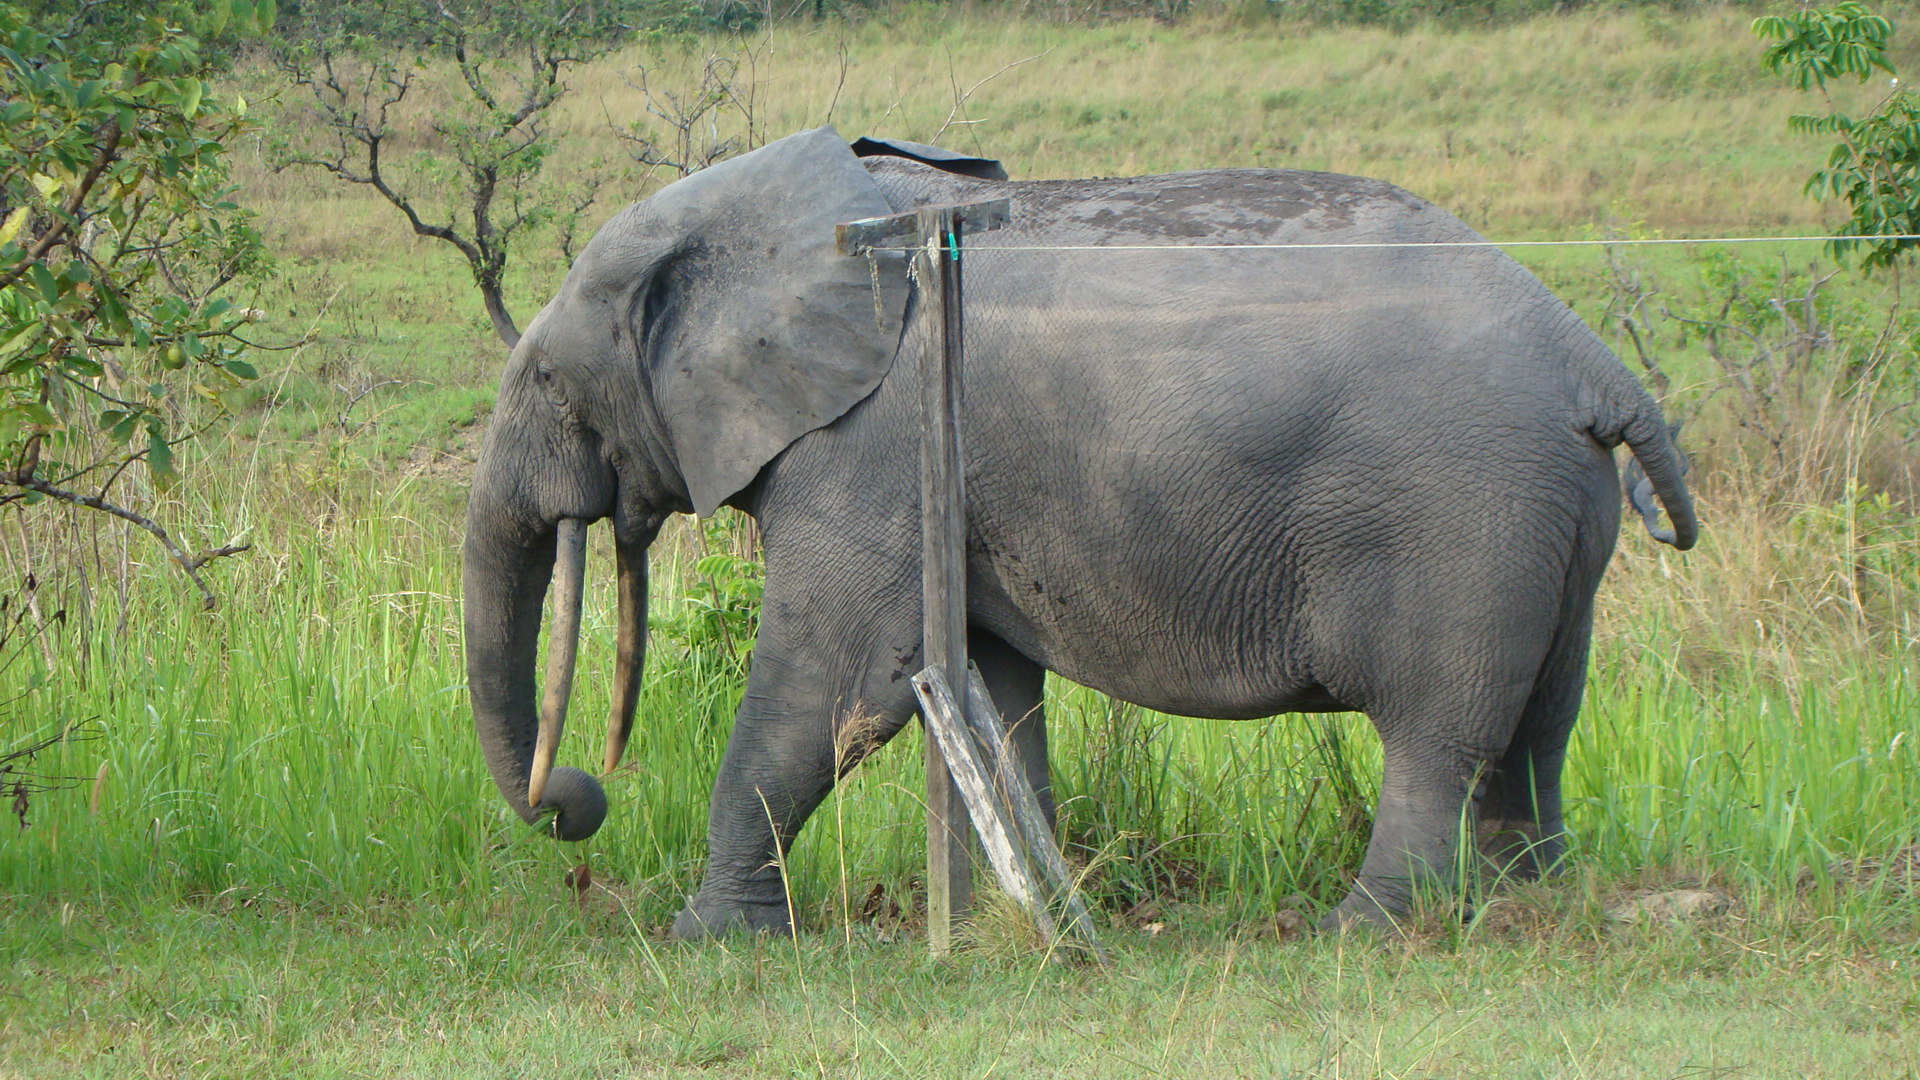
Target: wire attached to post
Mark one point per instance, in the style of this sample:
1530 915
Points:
1355 245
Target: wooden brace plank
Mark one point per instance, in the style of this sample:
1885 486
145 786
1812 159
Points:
1027 815
941 712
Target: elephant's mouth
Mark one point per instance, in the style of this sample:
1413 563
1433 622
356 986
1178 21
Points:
567 587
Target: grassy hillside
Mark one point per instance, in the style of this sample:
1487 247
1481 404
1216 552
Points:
305 753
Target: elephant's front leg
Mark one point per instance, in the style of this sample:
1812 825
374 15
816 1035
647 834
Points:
829 684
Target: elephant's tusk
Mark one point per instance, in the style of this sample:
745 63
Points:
569 581
631 648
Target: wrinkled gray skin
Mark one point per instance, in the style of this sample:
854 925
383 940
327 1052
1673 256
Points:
1214 483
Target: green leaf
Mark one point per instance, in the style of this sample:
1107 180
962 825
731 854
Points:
43 279
20 340
85 366
160 461
113 315
36 413
191 89
240 369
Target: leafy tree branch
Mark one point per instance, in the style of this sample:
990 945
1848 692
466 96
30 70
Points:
1875 166
116 231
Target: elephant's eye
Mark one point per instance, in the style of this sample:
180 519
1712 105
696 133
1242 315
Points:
549 386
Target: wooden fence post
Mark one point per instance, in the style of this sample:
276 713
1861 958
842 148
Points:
943 574
960 717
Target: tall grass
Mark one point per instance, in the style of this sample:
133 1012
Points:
1751 708
311 741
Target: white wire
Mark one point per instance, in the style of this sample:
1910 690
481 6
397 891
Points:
982 250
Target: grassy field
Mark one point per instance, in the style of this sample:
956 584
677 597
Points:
526 989
280 853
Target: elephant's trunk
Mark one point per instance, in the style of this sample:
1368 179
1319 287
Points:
507 568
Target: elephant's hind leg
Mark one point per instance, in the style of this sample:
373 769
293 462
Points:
1520 831
1446 713
1433 765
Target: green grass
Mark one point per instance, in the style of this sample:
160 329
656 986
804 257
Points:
311 743
309 746
280 853
512 985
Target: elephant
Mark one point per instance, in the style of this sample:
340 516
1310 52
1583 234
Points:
1363 466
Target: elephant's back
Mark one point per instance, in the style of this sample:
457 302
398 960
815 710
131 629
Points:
1200 206
1308 261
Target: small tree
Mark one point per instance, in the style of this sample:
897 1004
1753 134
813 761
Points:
475 185
1875 167
116 232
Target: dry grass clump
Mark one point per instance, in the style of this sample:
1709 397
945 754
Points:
1896 872
1810 556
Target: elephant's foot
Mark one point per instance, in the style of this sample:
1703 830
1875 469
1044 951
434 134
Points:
704 918
1377 909
1518 849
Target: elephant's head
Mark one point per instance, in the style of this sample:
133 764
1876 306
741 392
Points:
699 334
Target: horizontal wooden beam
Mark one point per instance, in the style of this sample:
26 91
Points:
901 231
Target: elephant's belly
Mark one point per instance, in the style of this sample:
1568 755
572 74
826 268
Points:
1199 635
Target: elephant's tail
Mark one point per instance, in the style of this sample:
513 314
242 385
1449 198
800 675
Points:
1657 468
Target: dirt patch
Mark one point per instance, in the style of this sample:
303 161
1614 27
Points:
1898 872
453 461
1670 905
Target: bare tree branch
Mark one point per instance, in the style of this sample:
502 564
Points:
956 115
190 563
498 142
692 115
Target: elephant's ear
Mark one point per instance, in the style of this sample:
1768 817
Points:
938 157
757 330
